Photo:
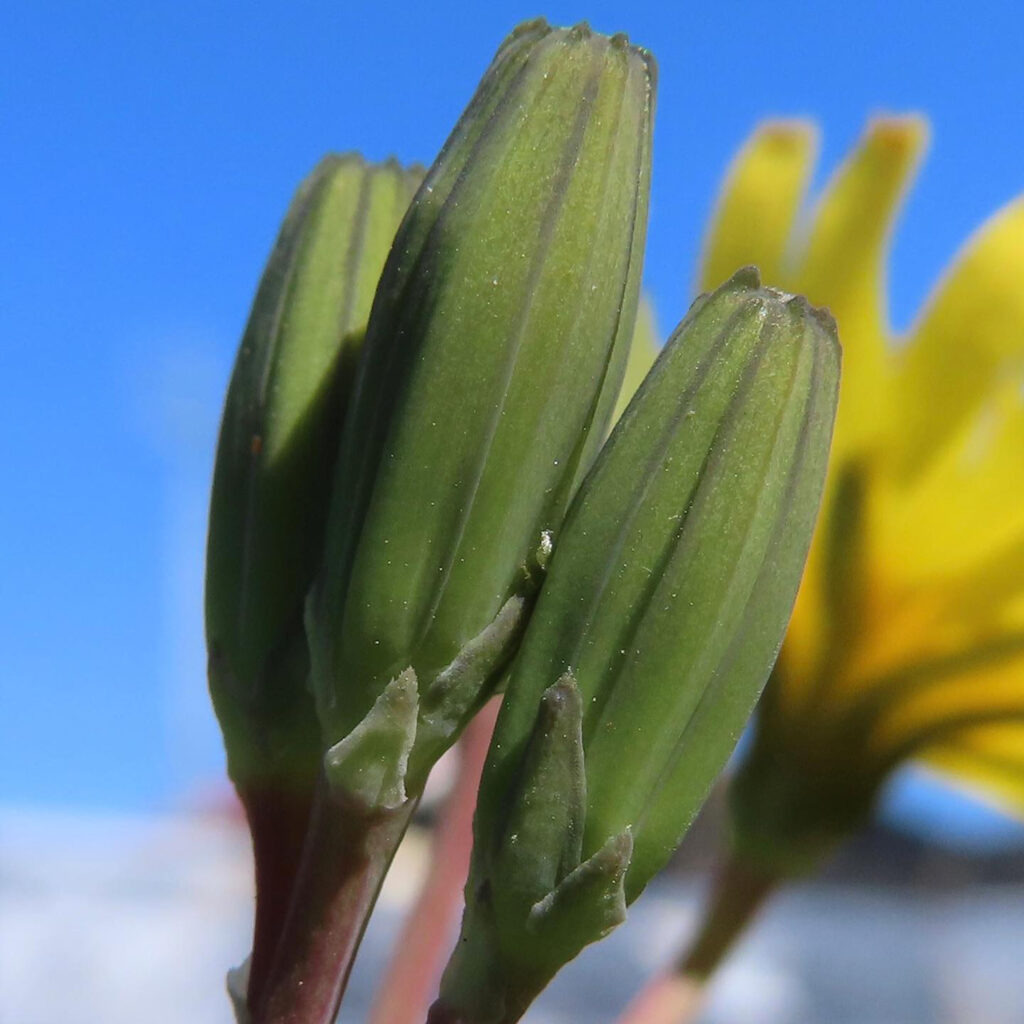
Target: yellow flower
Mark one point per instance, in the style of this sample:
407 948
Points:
907 640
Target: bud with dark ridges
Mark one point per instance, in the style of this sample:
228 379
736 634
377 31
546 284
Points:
663 610
494 355
278 444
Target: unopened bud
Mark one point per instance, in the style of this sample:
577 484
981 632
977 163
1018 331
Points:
278 442
494 354
663 610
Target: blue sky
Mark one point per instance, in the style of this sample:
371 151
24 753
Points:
149 152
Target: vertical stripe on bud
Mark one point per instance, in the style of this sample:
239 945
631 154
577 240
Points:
278 443
665 604
494 352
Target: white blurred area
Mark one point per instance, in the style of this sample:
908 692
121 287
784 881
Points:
118 920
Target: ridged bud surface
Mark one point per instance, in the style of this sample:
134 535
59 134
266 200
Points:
661 615
494 354
278 443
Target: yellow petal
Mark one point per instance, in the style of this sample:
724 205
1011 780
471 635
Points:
988 760
963 509
994 591
843 266
983 684
764 187
970 336
643 350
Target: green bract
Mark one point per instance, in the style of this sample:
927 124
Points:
662 612
493 357
278 443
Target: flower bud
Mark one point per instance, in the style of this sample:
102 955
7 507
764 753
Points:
278 443
662 612
494 354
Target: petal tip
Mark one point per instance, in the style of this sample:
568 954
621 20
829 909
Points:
900 134
787 134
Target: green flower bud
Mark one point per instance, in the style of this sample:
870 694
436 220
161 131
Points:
278 444
663 610
493 357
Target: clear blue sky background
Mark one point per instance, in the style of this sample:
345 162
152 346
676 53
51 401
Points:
149 150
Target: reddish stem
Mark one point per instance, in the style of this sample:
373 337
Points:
739 891
677 997
668 999
278 820
411 977
346 857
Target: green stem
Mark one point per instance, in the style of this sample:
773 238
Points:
346 857
739 891
677 996
443 1013
440 1014
475 989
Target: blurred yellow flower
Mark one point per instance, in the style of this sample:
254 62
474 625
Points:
907 640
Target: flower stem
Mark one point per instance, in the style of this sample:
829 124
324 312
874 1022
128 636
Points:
669 999
738 893
404 994
677 996
444 1013
346 856
278 820
440 1014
